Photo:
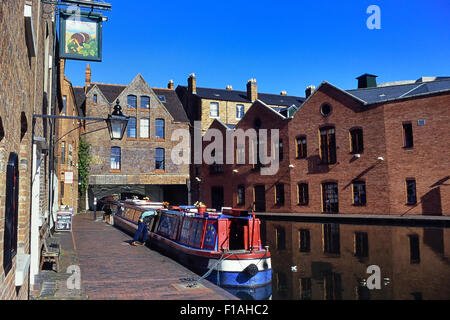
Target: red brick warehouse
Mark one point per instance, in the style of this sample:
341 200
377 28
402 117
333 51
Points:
378 149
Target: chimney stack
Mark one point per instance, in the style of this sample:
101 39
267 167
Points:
252 90
192 84
229 87
283 93
88 75
170 85
309 90
367 81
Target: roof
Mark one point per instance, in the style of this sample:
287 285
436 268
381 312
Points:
172 102
241 96
80 97
385 93
110 91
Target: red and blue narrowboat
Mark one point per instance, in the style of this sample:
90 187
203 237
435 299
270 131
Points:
225 246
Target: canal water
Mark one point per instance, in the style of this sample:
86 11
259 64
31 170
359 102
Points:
330 261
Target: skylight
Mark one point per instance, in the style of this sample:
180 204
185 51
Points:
162 98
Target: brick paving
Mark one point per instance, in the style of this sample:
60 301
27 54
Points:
112 269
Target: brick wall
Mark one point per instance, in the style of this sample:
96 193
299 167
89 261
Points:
137 154
68 132
385 180
22 94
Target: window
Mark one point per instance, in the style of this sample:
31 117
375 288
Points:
414 248
132 102
131 128
115 158
305 289
144 128
304 240
303 194
328 145
62 190
94 98
330 197
361 244
408 141
239 111
325 110
162 99
64 106
356 138
214 110
301 148
279 146
280 238
279 194
145 102
11 212
240 154
159 159
331 238
63 152
411 191
159 128
359 193
241 195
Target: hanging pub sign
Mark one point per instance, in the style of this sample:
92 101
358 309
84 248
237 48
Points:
80 35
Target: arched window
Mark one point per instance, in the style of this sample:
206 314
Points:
328 145
356 140
11 212
160 128
132 101
301 148
145 102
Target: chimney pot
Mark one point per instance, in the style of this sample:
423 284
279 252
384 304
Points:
283 93
309 90
229 87
170 85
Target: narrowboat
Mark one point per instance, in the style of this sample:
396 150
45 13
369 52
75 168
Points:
224 247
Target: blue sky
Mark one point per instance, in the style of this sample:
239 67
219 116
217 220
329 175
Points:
285 45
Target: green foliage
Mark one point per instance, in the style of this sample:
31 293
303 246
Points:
84 160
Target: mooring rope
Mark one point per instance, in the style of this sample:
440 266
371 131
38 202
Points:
222 258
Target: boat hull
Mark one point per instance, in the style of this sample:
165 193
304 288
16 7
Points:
231 269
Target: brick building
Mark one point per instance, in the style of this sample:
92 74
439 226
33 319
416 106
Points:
141 163
28 86
227 105
374 150
67 139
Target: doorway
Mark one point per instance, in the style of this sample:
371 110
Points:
260 198
217 198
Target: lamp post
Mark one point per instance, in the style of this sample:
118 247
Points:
116 122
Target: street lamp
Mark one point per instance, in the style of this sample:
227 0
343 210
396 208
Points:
117 122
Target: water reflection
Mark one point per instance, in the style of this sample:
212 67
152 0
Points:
313 261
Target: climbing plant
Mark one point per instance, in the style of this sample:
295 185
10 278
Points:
84 160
